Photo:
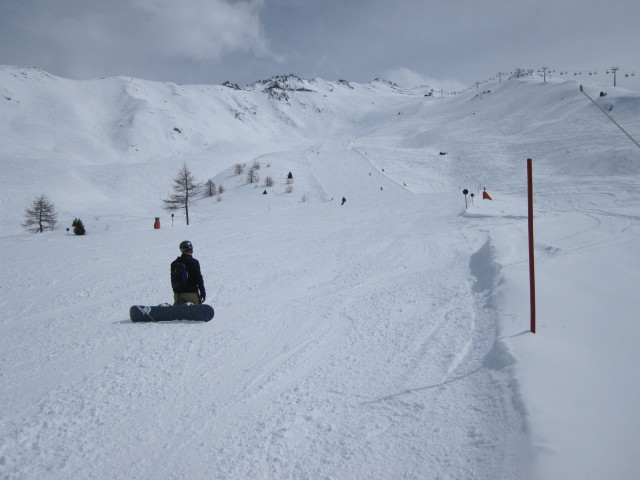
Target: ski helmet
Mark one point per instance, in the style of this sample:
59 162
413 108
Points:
186 247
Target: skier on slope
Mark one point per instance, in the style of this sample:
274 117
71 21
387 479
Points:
189 289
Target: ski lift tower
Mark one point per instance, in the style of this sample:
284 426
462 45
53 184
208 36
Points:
614 69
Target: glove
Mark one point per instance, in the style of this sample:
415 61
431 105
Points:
203 296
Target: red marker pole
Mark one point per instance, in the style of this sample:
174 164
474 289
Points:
532 276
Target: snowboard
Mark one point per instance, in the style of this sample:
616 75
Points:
168 313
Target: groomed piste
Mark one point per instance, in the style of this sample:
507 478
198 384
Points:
384 338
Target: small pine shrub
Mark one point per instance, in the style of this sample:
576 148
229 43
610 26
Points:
78 227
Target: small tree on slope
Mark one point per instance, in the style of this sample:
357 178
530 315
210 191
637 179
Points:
185 188
41 216
210 188
252 176
78 227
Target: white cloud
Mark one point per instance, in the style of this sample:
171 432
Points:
409 79
201 29
439 43
161 39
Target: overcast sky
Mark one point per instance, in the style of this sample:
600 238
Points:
444 43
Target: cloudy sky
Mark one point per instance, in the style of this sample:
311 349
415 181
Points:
444 43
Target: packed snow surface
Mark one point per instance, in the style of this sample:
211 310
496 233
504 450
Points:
384 338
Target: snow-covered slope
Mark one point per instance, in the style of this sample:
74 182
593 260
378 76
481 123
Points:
384 338
116 142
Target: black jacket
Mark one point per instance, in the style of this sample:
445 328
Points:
195 283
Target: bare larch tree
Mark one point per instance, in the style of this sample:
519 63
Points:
185 189
210 188
41 216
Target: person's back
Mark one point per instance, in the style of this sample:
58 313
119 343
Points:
190 289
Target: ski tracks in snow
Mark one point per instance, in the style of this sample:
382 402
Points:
354 347
392 361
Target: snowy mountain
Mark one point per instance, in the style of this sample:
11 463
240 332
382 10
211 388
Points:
102 137
384 338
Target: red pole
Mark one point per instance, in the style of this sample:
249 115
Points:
532 276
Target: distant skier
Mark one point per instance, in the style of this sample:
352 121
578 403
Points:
344 200
186 278
485 194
